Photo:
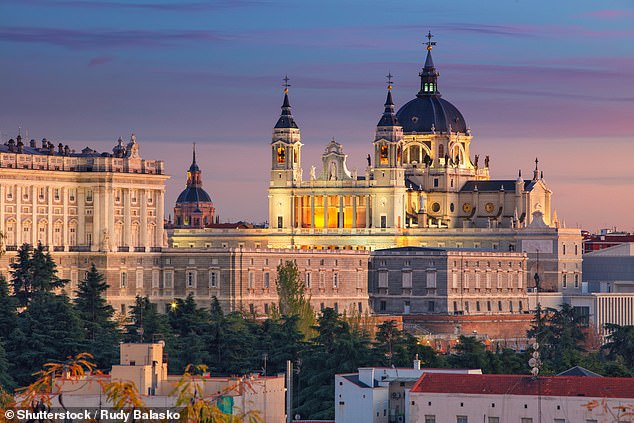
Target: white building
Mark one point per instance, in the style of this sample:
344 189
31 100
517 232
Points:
377 394
472 398
145 366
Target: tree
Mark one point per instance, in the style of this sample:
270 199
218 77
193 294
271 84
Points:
6 381
292 297
147 324
620 343
49 328
560 335
8 315
33 271
471 354
335 349
189 324
96 315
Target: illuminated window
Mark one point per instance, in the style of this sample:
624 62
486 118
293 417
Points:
384 154
281 154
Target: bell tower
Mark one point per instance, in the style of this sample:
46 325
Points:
388 144
286 171
285 147
388 172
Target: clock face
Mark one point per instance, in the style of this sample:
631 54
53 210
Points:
489 207
466 207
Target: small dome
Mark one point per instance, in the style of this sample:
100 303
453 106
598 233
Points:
193 195
424 111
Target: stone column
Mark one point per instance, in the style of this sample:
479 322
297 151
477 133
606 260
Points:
18 215
81 215
312 211
354 211
325 203
126 217
143 199
34 222
160 217
65 226
2 196
367 210
341 219
49 218
97 211
300 208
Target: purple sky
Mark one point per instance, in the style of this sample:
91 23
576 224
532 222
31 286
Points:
532 78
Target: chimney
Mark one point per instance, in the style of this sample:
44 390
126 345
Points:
416 363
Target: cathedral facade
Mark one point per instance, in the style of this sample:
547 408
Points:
422 187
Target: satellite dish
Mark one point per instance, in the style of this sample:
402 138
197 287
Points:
532 362
535 355
535 346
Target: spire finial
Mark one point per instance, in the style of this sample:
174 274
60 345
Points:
286 84
389 81
430 44
194 153
536 171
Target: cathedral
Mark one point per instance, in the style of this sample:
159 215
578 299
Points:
420 175
422 187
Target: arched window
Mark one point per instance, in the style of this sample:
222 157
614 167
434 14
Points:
10 233
384 154
57 233
72 233
281 154
134 235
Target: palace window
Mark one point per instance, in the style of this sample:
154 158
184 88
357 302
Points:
213 280
191 279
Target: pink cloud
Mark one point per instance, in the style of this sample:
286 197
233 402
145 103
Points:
610 13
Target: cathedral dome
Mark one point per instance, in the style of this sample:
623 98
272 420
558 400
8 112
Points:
429 113
193 194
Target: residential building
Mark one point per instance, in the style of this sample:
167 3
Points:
473 398
377 394
145 365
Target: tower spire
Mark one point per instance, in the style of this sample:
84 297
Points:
193 168
286 119
429 75
536 171
389 117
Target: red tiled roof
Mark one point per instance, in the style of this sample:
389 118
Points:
565 386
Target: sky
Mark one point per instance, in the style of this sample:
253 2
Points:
546 79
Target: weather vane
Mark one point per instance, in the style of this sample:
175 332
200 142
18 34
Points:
389 81
430 43
286 84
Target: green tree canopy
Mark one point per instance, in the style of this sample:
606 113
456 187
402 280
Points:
96 315
293 300
33 271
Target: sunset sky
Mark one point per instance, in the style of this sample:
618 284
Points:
546 79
